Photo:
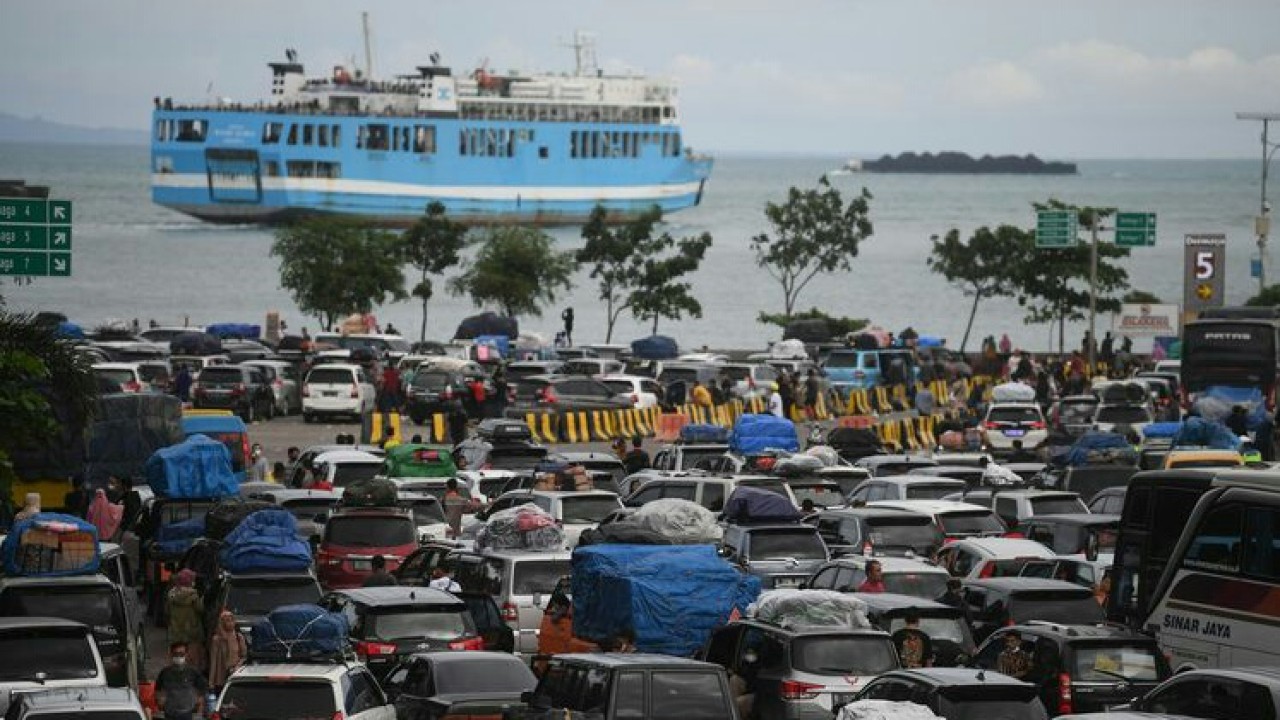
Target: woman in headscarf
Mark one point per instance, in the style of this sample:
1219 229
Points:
186 617
105 515
227 649
30 507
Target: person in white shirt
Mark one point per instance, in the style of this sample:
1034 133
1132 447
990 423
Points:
442 580
775 402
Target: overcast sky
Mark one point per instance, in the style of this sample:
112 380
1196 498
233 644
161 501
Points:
1080 79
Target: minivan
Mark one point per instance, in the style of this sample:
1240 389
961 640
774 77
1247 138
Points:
520 582
336 389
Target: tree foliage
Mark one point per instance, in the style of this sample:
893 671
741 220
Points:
432 245
836 325
1270 297
516 269
333 267
47 390
1140 297
980 267
628 264
814 232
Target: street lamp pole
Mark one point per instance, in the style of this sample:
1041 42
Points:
1262 224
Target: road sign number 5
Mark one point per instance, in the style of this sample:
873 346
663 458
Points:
1204 265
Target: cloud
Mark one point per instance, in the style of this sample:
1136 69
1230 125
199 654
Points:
691 70
1207 73
993 85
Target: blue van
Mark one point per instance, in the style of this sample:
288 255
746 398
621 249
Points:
849 369
225 427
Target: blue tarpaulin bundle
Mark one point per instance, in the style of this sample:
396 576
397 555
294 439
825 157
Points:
176 538
234 331
1217 402
266 541
1161 430
704 433
929 341
300 632
44 559
1198 432
198 467
501 342
756 433
1094 447
670 596
749 504
654 347
70 330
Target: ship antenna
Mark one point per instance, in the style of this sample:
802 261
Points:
584 53
368 51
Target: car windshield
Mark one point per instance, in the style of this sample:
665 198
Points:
937 628
289 700
1102 663
971 522
932 491
843 655
1057 606
621 387
346 473
690 457
842 360
432 381
780 544
308 509
221 375
922 585
331 376
119 377
97 606
1013 415
538 576
444 622
1076 413
59 653
589 509
153 372
902 532
1060 505
427 511
373 532
1123 414
259 596
821 494
492 675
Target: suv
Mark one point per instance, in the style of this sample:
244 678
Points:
295 690
1108 501
388 624
990 557
905 487
1082 668
1088 534
575 511
250 596
708 491
239 388
955 519
637 686
90 599
434 391
1073 415
520 582
1007 422
957 693
881 465
945 625
996 602
1108 417
568 393
86 703
800 672
42 653
336 389
1017 506
682 456
882 531
353 536
901 575
781 555
283 378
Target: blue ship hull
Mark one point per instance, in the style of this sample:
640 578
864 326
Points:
231 170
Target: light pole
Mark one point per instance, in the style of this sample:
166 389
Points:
1262 224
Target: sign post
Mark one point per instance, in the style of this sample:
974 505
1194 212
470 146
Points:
1204 281
35 237
1056 228
1135 229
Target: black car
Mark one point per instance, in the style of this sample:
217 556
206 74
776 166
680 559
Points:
959 693
996 602
639 686
1109 501
565 393
882 531
243 390
1232 693
432 686
434 392
390 623
1078 668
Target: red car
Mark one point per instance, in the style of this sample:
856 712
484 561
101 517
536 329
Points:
352 538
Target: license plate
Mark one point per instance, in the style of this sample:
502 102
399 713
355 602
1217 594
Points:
361 564
786 582
331 393
838 699
1015 433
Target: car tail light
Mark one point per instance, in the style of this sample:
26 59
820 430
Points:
635 399
474 643
337 715
796 690
355 391
988 570
510 613
990 425
215 715
548 395
751 382
197 388
1037 425
306 391
1015 535
237 389
325 557
1009 622
1064 694
132 386
447 395
278 383
366 649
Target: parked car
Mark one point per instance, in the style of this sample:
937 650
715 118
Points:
434 391
241 389
636 686
996 602
1017 506
904 576
564 393
1081 668
250 596
605 469
905 487
1073 415
1232 693
301 470
959 693
1107 417
592 367
1108 501
1008 422
781 555
955 519
157 374
285 384
46 653
307 690
990 557
83 703
336 389
750 379
388 624
436 685
353 536
520 582
945 625
877 531
304 505
1089 535
685 457
643 391
575 511
880 465
800 672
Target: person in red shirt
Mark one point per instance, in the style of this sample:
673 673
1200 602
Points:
875 579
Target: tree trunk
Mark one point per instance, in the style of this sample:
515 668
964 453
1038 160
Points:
422 334
655 324
611 317
972 312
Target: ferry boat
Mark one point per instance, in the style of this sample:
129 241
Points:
494 148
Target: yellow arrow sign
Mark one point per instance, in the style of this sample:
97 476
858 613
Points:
1204 291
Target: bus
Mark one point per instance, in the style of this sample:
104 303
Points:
1231 351
1197 565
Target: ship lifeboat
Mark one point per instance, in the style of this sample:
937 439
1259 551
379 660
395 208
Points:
341 76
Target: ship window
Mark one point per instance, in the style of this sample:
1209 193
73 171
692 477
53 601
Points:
322 136
308 134
424 139
293 134
573 143
543 153
272 168
378 138
161 131
676 145
462 142
337 136
191 130
271 133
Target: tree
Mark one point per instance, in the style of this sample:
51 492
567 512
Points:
835 326
517 269
47 393
814 232
1140 297
432 246
1270 297
980 267
334 267
657 294
1053 285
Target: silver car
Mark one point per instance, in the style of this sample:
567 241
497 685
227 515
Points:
782 555
283 378
520 582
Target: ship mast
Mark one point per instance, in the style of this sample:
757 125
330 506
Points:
584 53
368 51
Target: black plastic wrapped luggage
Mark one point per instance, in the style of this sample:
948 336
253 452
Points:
375 492
227 515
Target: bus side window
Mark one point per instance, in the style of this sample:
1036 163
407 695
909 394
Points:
1262 555
1218 538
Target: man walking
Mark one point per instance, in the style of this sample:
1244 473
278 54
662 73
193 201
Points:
180 688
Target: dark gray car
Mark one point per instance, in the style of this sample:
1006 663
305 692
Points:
782 555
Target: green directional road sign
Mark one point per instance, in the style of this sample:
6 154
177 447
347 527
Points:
35 237
1056 228
1135 229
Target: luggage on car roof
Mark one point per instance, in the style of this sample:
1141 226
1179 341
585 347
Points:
49 545
227 515
299 632
195 343
267 541
704 433
374 492
196 468
748 504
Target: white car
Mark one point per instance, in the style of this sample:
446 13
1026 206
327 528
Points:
642 390
1007 423
343 689
336 389
127 375
575 511
341 468
955 519
428 514
990 557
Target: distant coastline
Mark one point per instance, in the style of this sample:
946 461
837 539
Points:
956 163
27 130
